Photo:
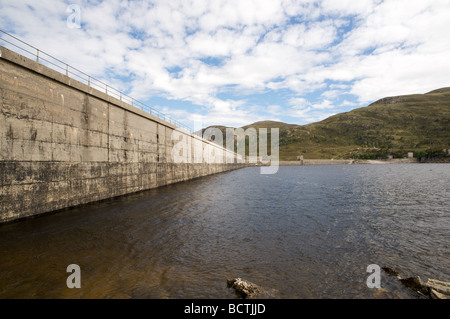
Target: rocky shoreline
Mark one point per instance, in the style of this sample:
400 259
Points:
431 289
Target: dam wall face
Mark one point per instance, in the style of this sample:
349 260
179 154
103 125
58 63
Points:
63 143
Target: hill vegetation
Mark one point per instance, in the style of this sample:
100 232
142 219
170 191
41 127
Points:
397 125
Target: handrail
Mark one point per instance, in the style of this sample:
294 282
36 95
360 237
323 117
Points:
58 65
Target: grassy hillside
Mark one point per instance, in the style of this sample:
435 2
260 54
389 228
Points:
392 125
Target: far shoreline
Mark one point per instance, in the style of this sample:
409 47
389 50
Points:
306 162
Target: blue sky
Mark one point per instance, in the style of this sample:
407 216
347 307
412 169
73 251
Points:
236 62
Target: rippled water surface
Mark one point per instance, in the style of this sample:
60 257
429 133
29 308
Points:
305 232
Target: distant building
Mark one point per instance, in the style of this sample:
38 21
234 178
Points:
410 155
299 158
390 157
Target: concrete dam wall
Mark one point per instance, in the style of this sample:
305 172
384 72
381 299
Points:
63 143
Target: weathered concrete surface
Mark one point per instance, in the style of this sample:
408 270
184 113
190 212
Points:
63 143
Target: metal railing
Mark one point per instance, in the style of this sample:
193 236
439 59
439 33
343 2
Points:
46 59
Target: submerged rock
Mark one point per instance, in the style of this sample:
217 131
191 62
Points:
416 284
391 271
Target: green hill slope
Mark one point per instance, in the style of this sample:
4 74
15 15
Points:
392 125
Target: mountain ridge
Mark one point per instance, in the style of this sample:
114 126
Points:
392 125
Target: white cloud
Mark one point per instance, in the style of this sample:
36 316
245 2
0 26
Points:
325 104
318 35
348 7
236 48
298 103
300 113
274 109
220 43
348 103
331 94
308 115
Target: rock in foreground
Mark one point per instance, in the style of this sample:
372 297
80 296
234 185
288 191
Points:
247 289
434 289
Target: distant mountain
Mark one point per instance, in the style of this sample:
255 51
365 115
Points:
396 125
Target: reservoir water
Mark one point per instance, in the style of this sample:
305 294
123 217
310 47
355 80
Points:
305 232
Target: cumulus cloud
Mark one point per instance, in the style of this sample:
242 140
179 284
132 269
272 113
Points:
236 61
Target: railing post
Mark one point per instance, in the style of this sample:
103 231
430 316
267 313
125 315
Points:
37 56
67 70
106 91
89 81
